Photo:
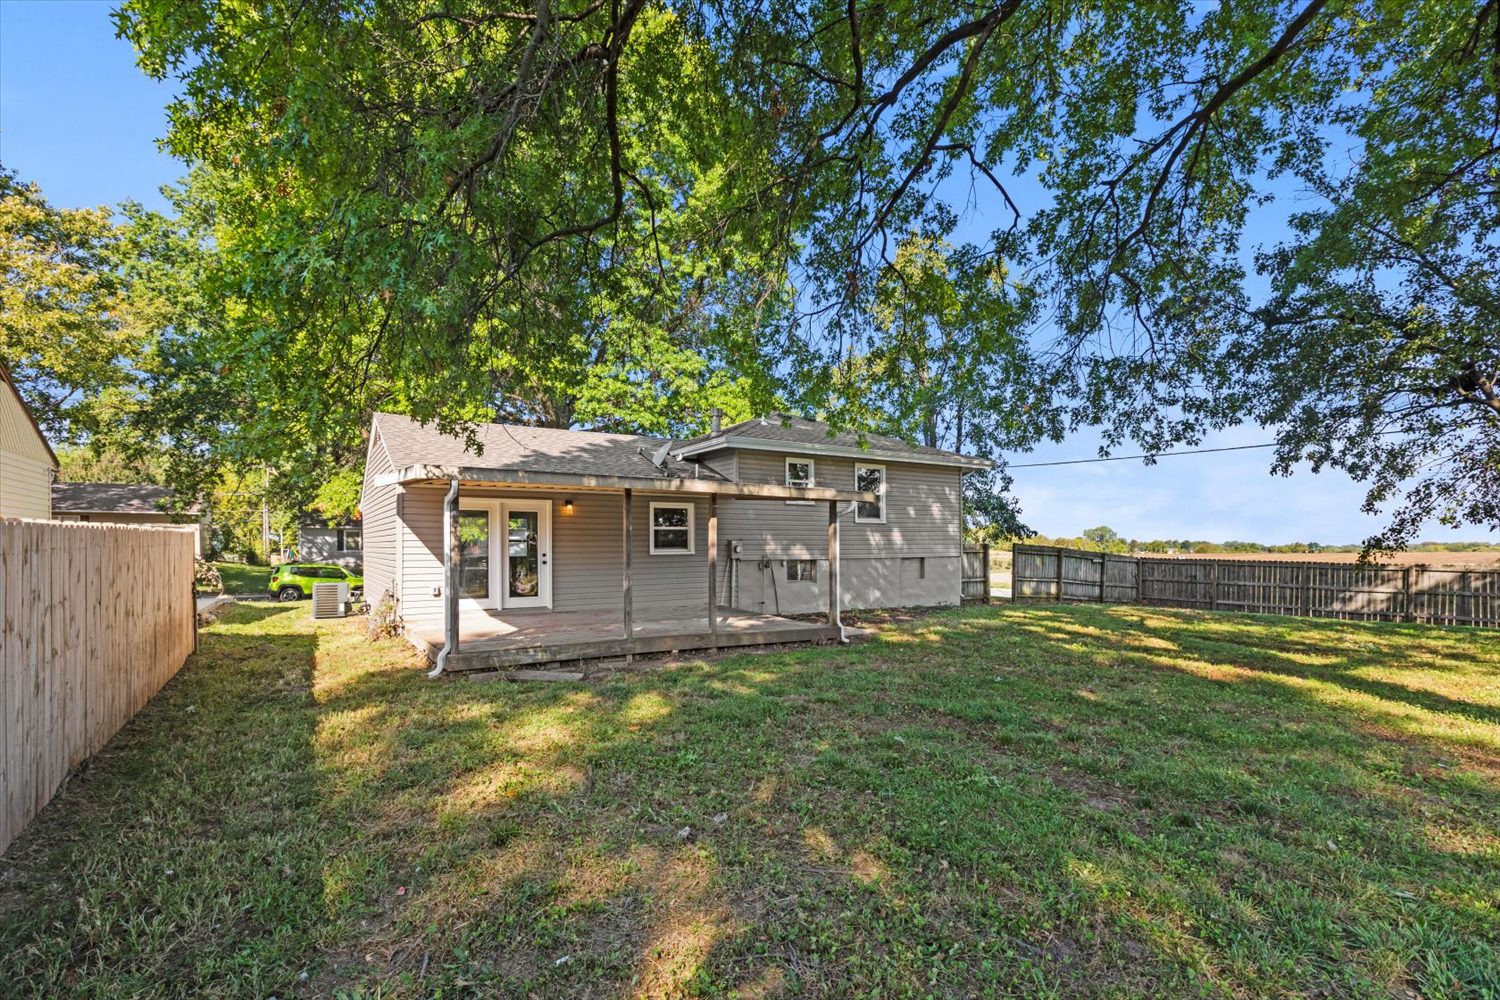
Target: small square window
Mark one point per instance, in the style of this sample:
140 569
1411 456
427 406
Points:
350 539
802 570
671 529
799 473
870 479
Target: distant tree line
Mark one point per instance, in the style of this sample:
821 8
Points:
1106 539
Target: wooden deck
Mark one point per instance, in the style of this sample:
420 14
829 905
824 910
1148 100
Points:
490 640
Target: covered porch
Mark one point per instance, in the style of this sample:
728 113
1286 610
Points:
498 640
530 581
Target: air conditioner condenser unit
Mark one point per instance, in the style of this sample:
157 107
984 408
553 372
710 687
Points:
330 600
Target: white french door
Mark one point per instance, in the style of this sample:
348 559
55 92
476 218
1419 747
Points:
505 553
526 565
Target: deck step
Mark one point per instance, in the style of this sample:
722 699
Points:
524 675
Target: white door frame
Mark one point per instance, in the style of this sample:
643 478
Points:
491 508
543 510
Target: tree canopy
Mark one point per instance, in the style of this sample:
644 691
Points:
978 224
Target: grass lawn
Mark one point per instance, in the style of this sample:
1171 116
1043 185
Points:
240 578
1073 801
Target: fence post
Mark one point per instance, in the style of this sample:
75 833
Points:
1213 593
1406 594
986 555
1059 556
1103 572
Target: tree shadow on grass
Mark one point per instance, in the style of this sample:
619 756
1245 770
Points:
925 816
985 801
184 858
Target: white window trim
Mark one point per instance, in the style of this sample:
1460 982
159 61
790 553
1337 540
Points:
858 468
812 475
692 510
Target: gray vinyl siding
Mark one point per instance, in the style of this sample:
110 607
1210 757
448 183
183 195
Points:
321 544
587 563
379 519
912 559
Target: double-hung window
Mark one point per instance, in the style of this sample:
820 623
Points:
671 529
870 479
799 473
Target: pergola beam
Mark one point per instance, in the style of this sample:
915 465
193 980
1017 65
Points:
517 479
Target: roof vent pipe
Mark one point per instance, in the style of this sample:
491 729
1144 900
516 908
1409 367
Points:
715 420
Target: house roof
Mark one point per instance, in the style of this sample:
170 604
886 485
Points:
44 452
785 432
542 450
111 498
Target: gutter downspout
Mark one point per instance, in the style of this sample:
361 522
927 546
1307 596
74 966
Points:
450 579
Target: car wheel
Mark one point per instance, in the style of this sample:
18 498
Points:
288 594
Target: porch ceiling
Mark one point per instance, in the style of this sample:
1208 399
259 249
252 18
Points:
438 475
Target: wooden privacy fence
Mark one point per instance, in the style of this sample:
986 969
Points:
1430 594
1050 574
975 576
94 619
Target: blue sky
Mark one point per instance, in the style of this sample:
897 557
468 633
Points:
77 117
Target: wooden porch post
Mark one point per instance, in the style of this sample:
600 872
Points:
833 563
452 581
713 570
629 611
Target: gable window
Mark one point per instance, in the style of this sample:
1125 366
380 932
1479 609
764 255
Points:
870 479
350 539
802 569
799 473
671 529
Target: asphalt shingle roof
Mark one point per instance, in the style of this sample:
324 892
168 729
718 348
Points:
783 427
112 498
532 449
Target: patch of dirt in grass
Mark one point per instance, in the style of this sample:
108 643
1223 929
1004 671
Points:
1470 757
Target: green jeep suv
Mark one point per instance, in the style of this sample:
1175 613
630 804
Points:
294 581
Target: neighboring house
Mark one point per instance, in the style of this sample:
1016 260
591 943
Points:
27 462
321 542
125 503
541 521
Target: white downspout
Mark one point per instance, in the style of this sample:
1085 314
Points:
450 577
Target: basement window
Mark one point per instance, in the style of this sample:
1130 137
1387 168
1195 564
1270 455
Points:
802 570
671 529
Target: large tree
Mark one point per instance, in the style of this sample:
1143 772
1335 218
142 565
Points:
69 329
461 194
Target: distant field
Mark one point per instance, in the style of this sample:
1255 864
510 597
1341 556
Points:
1482 560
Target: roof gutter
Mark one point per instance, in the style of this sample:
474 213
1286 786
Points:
450 579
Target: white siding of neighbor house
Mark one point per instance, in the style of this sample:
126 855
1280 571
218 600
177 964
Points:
586 558
25 487
914 558
25 464
379 520
320 544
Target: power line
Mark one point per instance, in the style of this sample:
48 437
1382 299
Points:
1131 458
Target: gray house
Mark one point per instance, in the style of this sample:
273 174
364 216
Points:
545 545
321 542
